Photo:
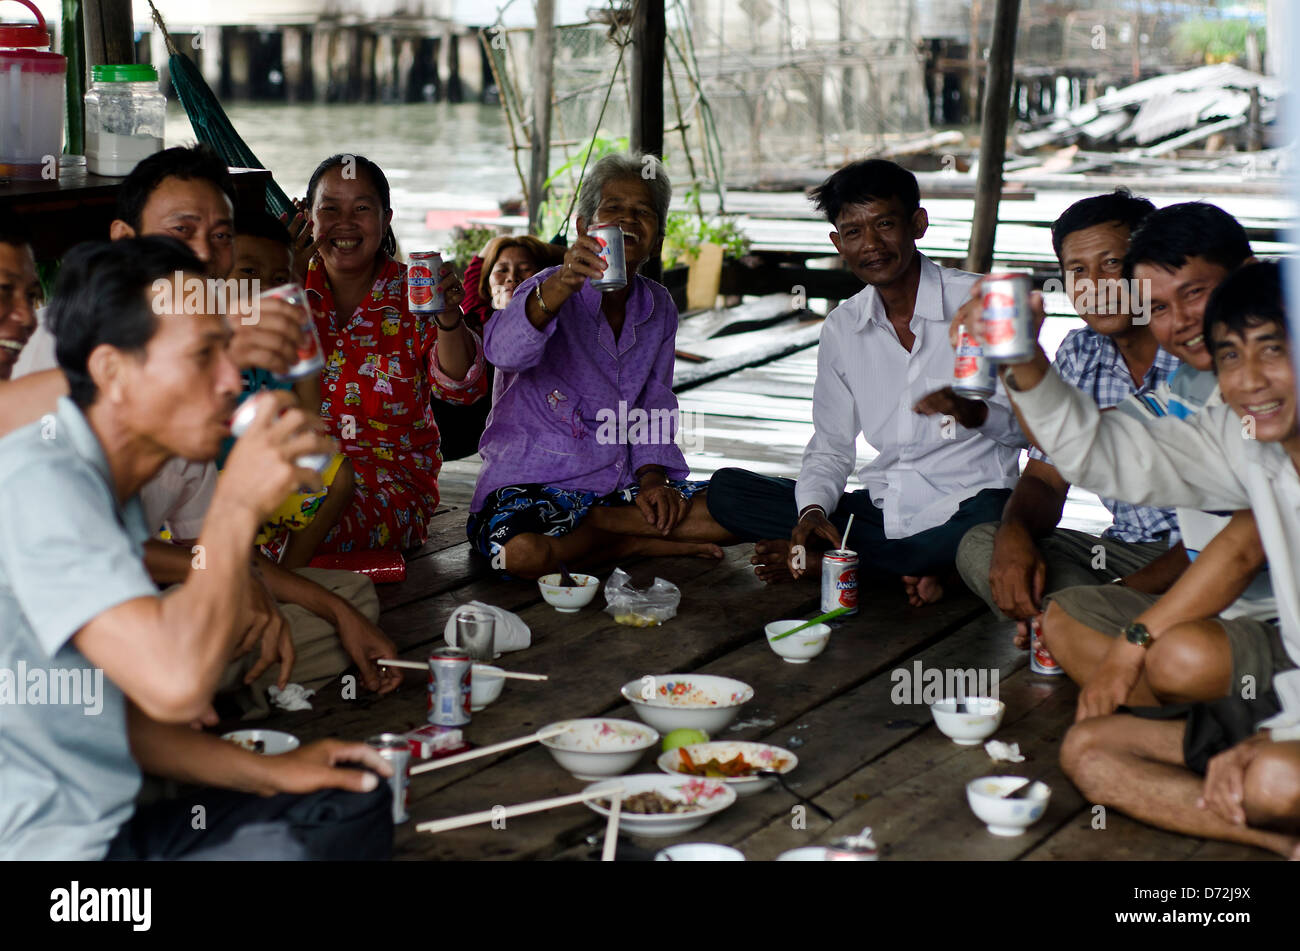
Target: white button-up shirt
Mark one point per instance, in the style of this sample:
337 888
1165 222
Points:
867 383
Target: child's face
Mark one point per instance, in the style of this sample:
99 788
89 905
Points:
264 260
1256 379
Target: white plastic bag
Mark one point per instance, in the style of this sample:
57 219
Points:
648 608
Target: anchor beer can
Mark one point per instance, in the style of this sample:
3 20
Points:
311 359
450 670
610 239
1008 320
244 417
840 581
396 749
974 375
1040 660
422 294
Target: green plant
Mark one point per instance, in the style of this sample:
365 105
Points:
686 232
1215 41
465 243
559 187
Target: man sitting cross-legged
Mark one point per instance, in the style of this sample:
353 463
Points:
78 610
884 369
1246 452
1012 564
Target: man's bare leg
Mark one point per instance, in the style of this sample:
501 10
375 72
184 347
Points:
697 526
1189 662
531 555
1135 765
1080 649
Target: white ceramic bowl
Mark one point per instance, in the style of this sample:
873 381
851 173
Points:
711 794
568 600
798 648
1007 817
981 720
699 852
809 853
599 746
760 753
697 701
273 741
485 685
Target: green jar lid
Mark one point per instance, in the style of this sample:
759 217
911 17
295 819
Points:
128 73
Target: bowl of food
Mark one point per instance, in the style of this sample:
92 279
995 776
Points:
1007 817
798 648
658 806
597 747
485 685
733 762
696 701
699 852
268 742
968 721
568 599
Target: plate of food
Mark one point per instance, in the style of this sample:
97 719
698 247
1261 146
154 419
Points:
660 806
267 742
733 762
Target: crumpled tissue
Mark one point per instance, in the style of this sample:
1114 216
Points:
292 697
1003 752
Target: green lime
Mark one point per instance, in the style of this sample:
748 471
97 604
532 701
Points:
684 737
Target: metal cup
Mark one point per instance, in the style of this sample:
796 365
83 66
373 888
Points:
476 634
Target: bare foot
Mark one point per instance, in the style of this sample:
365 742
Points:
922 591
659 547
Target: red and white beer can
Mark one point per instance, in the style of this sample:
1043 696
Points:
450 670
1008 320
311 358
840 581
610 239
1040 660
974 375
422 277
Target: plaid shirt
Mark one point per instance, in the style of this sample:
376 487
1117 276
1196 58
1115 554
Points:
1091 362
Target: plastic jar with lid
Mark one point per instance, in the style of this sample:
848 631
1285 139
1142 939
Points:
31 99
125 116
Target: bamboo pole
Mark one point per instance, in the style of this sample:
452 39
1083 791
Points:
993 136
110 32
543 79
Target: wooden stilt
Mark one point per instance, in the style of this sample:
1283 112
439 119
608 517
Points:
993 136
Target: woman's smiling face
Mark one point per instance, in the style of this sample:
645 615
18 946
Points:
347 212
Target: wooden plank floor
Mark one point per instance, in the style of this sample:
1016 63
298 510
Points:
865 758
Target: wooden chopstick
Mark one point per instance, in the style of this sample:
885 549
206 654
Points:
523 809
611 828
488 750
415 665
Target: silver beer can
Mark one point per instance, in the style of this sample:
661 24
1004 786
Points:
610 239
243 418
450 670
840 581
396 749
1008 319
311 359
974 375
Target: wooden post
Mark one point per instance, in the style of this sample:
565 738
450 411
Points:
648 37
972 65
993 136
74 48
543 74
110 32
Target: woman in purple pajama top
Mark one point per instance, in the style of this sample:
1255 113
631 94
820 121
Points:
580 463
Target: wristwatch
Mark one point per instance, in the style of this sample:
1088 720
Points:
1137 634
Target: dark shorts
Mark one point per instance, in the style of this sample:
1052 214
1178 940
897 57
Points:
1213 727
545 510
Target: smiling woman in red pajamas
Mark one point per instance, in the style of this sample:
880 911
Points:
383 364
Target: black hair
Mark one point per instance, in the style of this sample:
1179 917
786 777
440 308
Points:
102 296
260 223
1249 296
13 231
188 163
1192 229
377 178
866 180
1120 206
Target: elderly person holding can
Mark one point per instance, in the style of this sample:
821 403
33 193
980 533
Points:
383 363
565 478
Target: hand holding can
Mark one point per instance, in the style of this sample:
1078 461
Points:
277 450
310 359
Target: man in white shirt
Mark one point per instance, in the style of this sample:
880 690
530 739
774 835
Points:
884 369
1244 453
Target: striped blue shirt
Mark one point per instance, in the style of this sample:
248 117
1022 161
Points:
1091 362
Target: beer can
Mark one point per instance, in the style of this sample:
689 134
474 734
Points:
1008 320
396 749
450 670
422 294
243 418
610 239
311 358
840 581
1040 660
974 375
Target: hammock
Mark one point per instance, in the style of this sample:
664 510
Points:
211 124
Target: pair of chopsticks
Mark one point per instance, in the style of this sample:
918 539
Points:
817 620
416 665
